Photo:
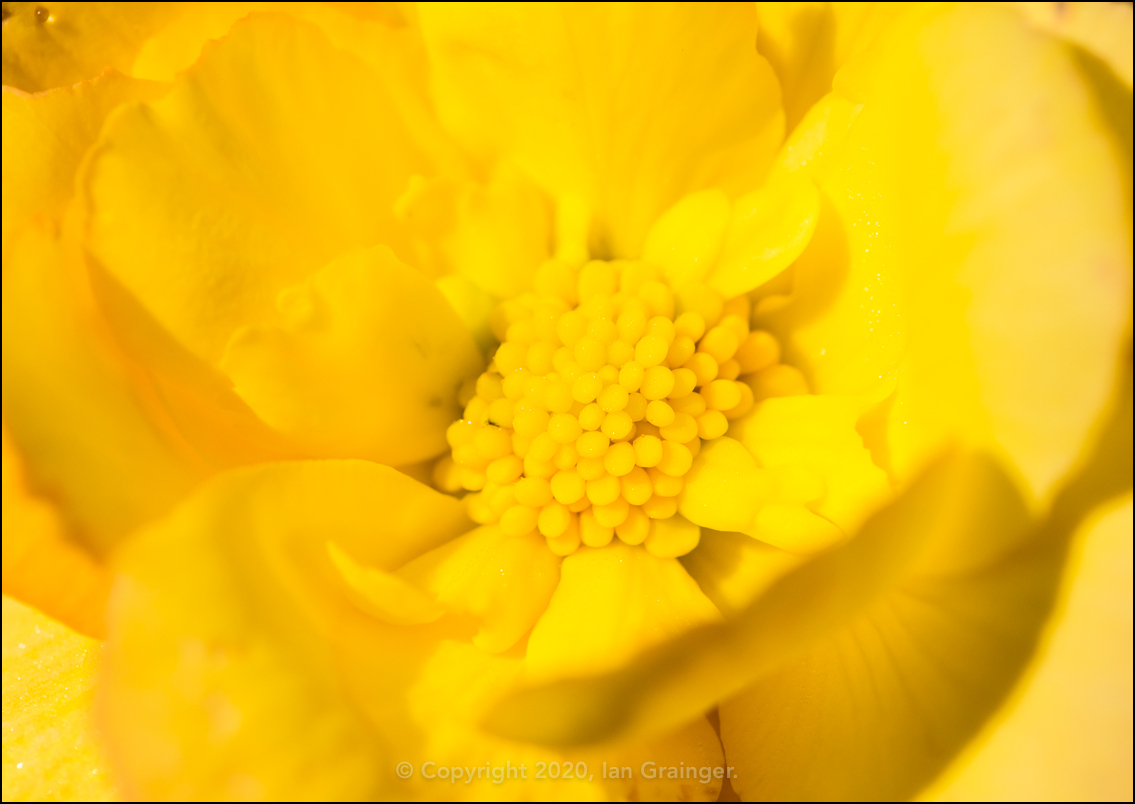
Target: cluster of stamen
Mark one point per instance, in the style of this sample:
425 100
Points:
596 402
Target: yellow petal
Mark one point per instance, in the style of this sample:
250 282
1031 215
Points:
503 581
473 306
367 363
795 474
501 233
429 704
55 45
792 526
1103 29
79 418
934 655
733 568
220 669
573 223
381 34
818 140
844 312
259 677
686 239
685 765
768 230
612 603
672 538
271 156
725 487
194 398
382 594
806 43
51 751
1065 733
42 567
495 235
982 620
178 44
45 137
624 108
817 434
938 651
965 257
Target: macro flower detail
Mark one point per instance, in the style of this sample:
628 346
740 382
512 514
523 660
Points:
583 401
588 422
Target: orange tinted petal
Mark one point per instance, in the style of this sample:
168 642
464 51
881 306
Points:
73 409
57 44
41 566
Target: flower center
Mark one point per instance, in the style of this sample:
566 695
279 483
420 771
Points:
596 402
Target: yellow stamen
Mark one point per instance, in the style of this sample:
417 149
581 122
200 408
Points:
590 414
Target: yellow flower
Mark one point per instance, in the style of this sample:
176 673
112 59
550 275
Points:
549 401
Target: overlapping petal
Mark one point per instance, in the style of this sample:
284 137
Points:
430 707
622 108
964 280
493 234
817 434
1066 731
1100 28
502 582
272 682
381 34
732 569
898 644
734 248
807 43
79 416
612 603
794 473
824 596
367 362
42 566
237 694
275 153
972 247
46 136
